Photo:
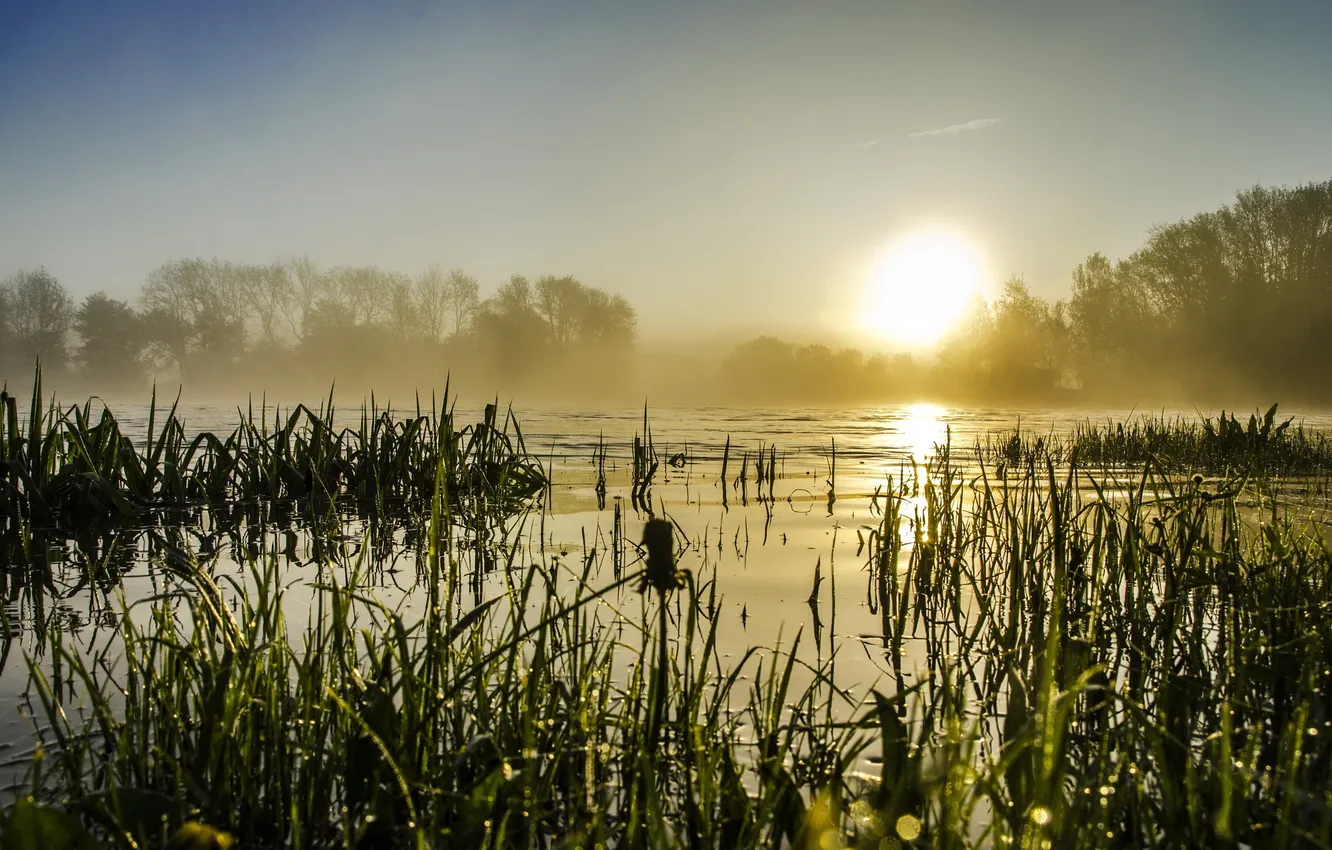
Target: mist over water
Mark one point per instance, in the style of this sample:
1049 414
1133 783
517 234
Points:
1227 308
740 424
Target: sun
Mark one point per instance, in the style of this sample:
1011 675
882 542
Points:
920 286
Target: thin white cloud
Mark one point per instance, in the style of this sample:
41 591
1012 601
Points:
859 146
953 129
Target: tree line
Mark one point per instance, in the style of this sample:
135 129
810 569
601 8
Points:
1237 301
1234 303
221 324
1239 298
1231 303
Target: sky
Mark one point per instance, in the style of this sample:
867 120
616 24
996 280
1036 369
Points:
724 165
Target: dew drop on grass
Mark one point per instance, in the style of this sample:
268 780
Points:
908 826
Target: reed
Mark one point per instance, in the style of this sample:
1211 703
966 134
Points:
1103 658
502 725
66 471
645 466
1217 446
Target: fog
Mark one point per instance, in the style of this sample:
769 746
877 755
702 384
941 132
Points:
1230 303
593 202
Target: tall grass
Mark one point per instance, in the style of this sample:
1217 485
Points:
1263 445
65 471
511 723
1144 670
1099 661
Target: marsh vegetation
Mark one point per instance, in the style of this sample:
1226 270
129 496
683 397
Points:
326 626
627 426
383 635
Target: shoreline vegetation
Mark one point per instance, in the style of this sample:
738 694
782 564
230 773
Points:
1225 305
1117 652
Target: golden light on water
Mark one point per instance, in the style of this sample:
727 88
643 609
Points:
921 285
923 427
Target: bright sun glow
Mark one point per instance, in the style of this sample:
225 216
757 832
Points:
920 286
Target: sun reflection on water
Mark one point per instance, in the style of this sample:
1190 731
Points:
923 426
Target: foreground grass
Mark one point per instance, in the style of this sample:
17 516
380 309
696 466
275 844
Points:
509 724
1129 663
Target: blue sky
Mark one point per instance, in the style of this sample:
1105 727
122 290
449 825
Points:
720 164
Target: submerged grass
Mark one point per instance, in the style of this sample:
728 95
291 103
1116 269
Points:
1103 660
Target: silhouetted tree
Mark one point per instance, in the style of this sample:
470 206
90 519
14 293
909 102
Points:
194 313
404 318
575 314
1028 340
965 352
509 329
38 312
432 300
1111 326
1235 299
6 333
111 342
464 298
172 301
558 302
1015 347
307 286
446 303
363 293
327 318
268 292
605 320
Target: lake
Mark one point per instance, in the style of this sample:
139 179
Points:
786 559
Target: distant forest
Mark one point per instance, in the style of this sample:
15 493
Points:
231 327
1232 302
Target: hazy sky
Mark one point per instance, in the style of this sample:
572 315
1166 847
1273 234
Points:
719 164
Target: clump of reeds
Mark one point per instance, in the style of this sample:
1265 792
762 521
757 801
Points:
1213 446
645 466
63 472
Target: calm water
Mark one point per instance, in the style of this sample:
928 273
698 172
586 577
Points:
762 555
